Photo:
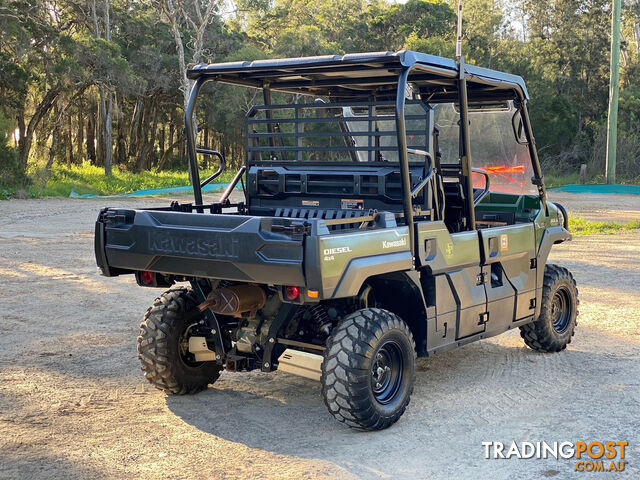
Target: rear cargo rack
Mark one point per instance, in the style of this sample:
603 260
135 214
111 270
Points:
338 219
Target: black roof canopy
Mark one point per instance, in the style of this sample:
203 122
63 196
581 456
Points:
363 75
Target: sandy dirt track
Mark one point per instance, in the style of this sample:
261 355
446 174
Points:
74 404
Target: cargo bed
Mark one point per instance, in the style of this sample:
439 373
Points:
223 246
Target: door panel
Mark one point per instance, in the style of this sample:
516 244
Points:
471 301
501 296
453 260
507 254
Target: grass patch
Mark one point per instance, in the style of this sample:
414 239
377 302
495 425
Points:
6 193
89 179
551 180
580 226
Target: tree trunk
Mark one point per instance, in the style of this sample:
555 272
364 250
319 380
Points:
21 127
41 110
102 110
206 145
133 128
94 16
80 133
154 134
108 141
52 149
185 83
69 145
146 153
165 156
163 137
91 135
172 131
121 144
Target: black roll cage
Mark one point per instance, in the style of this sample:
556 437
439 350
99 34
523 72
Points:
387 76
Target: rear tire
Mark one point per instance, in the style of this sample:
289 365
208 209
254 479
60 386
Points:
369 369
555 326
161 346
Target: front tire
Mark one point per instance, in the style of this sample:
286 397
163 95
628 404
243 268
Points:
161 346
555 326
369 369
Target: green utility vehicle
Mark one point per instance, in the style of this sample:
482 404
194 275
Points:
393 207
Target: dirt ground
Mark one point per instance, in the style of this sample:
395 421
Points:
74 404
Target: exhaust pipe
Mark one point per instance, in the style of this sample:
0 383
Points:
300 363
235 300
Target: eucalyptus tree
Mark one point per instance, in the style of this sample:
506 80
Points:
189 20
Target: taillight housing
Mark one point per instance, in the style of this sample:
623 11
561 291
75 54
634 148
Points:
145 278
292 293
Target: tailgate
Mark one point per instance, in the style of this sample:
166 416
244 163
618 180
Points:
233 247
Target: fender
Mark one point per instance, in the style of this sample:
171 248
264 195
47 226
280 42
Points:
551 236
359 269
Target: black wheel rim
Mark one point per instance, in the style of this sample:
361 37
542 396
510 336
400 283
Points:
561 310
386 372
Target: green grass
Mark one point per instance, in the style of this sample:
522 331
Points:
580 226
551 180
89 179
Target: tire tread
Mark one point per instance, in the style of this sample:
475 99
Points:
345 372
156 330
539 335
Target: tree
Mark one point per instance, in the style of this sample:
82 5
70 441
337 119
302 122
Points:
189 19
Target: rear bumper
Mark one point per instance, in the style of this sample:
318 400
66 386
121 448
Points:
231 247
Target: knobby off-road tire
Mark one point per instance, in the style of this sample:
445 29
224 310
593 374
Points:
369 369
555 326
161 332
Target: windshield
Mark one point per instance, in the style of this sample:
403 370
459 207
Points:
494 147
335 132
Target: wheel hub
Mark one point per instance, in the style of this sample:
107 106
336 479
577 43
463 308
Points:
386 372
561 310
183 348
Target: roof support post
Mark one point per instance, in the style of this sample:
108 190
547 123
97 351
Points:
190 135
266 95
465 144
402 157
533 153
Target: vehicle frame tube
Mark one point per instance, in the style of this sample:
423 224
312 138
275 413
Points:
465 144
191 143
402 156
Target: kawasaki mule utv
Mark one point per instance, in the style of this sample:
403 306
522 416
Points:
393 207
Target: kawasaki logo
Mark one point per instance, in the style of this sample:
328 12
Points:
213 246
396 243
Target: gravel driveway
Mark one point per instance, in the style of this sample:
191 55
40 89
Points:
74 404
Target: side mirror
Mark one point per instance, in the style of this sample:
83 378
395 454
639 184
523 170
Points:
518 128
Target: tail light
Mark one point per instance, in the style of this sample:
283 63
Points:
145 278
292 293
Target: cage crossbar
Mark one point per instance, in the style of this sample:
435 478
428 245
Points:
363 122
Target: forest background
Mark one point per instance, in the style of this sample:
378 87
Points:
92 92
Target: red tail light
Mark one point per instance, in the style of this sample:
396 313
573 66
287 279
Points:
292 293
146 277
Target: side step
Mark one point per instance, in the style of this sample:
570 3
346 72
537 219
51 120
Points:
300 363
